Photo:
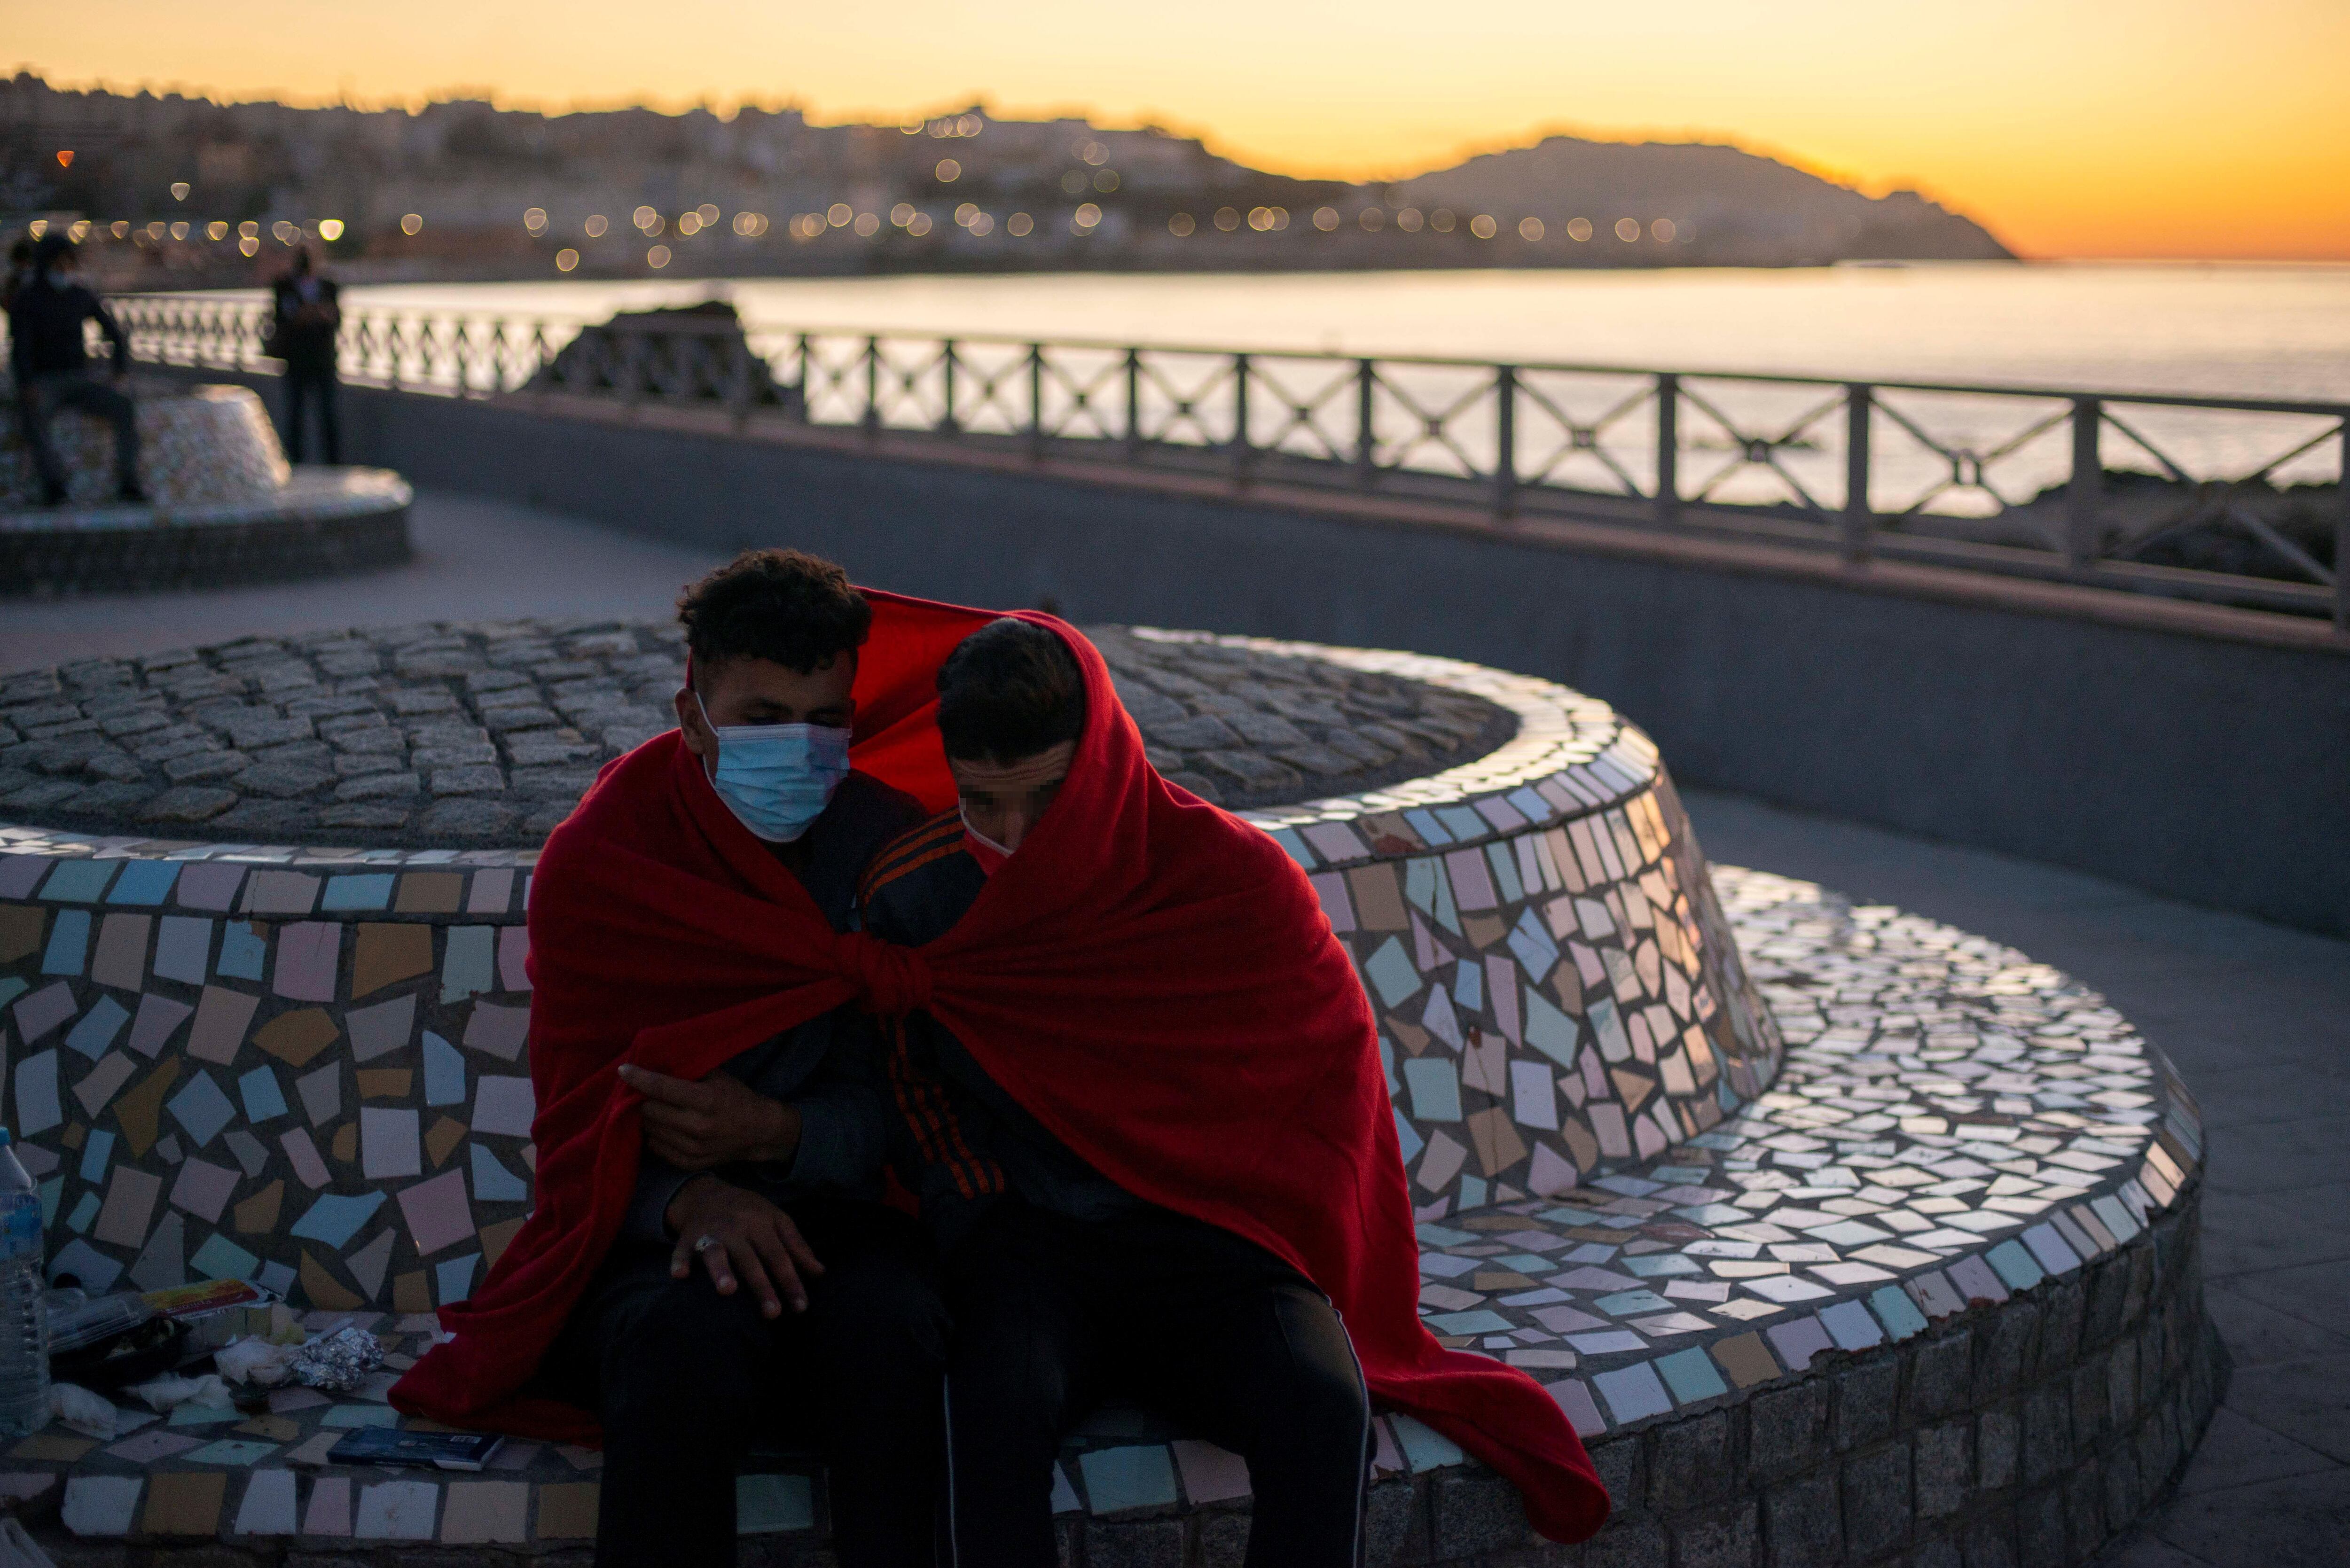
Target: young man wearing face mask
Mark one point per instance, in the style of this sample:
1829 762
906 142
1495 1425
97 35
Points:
1064 1285
756 1274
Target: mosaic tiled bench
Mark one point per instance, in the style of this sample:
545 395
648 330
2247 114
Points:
226 506
1842 1236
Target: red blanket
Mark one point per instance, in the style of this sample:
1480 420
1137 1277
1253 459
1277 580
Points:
1153 979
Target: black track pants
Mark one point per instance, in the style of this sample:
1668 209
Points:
1193 1321
685 1379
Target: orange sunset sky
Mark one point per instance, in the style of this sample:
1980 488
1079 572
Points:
2073 128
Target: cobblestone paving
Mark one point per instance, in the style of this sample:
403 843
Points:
485 734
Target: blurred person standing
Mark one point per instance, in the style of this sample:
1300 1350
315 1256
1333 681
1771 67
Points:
308 314
51 365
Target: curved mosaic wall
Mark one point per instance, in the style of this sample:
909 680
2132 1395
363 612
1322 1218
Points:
1558 993
198 447
1661 1176
224 1054
224 506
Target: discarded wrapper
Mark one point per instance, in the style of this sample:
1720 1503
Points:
90 1414
339 1361
256 1361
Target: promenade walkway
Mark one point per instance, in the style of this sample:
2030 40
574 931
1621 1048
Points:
2253 1014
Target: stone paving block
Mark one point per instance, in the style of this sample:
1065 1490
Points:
2003 1344
1866 1401
1632 1541
1999 1446
1396 1525
1943 1464
1691 1462
2041 1539
1221 1541
1476 1513
1877 1501
2047 1434
1134 1543
1939 1376
1621 1465
1787 1429
1727 1536
1802 1522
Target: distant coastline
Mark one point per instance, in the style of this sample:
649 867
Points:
178 191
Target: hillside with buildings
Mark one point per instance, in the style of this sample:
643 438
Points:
178 188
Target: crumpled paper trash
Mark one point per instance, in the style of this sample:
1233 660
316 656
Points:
339 1363
256 1361
91 1415
161 1394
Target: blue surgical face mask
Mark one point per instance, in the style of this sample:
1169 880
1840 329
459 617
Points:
777 778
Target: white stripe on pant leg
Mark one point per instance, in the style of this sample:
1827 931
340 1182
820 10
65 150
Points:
955 1534
1363 1469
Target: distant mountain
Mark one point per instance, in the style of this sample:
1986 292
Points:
1723 202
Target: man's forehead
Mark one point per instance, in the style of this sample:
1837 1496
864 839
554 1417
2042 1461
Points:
751 673
1042 768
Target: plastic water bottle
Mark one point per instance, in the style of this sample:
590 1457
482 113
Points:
24 1317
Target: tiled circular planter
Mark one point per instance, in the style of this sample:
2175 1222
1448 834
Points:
225 507
1873 1241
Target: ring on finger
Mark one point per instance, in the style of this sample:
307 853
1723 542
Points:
704 1242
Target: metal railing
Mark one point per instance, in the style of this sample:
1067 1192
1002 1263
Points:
2234 501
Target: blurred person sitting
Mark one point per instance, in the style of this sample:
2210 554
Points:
45 353
20 269
307 312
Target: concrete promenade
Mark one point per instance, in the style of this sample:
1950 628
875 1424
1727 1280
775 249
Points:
2253 1014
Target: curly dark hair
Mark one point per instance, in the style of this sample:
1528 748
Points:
788 607
1009 691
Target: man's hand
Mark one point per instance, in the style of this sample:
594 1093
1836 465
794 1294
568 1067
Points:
718 1121
740 1234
